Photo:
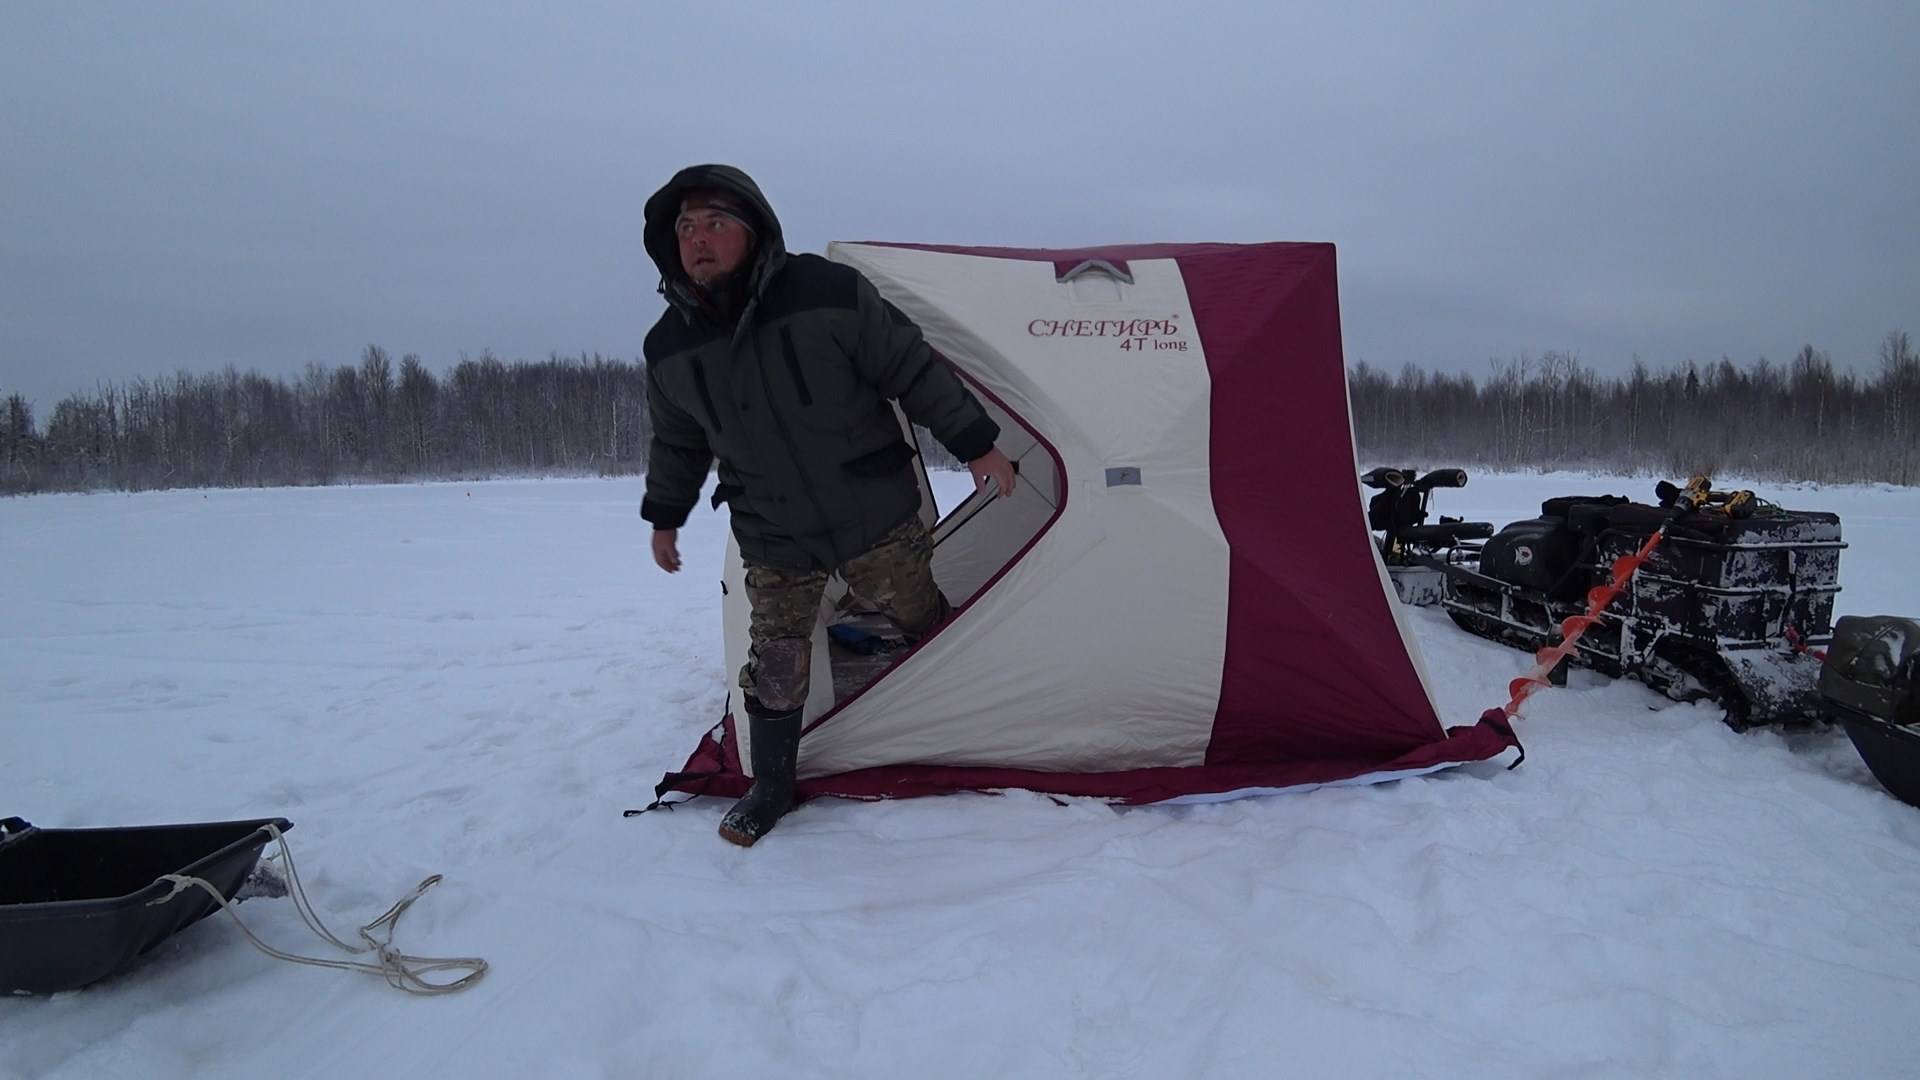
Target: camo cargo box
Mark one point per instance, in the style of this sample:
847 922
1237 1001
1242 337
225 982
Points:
1742 581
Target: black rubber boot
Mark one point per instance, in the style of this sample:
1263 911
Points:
775 749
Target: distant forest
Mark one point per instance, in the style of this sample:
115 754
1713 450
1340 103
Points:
1801 420
380 421
375 421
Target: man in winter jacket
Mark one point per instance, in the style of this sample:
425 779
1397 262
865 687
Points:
783 368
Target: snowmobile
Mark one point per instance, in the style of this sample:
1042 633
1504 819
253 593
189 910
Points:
1726 609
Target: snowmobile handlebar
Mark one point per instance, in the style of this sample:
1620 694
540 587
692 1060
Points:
1385 477
1441 478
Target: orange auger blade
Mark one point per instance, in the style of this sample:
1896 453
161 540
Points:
1519 688
1548 657
1574 625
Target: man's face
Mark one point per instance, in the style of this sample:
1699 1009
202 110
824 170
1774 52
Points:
713 242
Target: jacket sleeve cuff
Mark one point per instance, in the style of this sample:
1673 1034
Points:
662 516
974 440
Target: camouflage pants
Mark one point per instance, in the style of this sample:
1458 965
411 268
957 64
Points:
895 575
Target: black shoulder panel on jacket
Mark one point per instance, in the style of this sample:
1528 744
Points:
809 283
673 334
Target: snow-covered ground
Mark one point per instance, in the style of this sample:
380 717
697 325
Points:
476 679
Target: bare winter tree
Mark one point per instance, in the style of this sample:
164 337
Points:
1899 371
418 415
19 445
376 388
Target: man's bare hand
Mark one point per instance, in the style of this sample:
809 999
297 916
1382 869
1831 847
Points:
992 465
666 550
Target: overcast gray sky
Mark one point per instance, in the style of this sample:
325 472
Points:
188 185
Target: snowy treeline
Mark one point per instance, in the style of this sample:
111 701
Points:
378 420
1802 420
372 421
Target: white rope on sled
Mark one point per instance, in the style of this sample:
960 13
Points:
402 971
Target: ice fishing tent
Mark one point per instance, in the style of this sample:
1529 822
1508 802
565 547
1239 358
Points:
1180 599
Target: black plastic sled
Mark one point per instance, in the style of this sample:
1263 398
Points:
76 905
1871 686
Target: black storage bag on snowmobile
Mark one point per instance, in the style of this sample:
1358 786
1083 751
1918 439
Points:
1559 505
1535 554
1871 684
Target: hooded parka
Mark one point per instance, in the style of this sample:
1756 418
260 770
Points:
791 397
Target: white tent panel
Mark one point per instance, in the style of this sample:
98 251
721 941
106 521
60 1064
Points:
1126 591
